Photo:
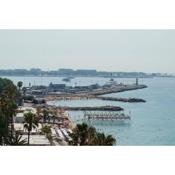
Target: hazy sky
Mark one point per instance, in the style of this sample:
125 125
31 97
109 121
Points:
109 50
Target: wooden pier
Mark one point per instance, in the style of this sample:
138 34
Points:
105 116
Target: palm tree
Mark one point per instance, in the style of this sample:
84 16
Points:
83 135
54 115
31 122
47 131
24 89
105 140
16 140
87 135
38 111
82 131
19 98
45 115
20 84
110 140
101 138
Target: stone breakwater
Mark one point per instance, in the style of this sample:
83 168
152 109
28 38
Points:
96 108
96 94
126 100
115 89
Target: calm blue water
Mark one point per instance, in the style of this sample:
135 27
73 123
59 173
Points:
153 122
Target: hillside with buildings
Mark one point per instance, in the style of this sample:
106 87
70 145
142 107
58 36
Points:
78 72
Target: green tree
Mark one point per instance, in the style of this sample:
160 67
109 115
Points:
16 140
31 122
80 135
20 84
87 135
20 97
8 96
47 131
45 115
104 140
24 90
110 140
3 128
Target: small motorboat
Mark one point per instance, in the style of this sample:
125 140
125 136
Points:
66 79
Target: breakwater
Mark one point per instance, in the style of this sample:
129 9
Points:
126 100
117 88
95 94
97 108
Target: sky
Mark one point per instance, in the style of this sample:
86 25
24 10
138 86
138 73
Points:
104 50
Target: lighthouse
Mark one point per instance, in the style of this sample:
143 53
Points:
137 81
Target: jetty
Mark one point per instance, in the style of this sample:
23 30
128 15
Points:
97 94
61 90
96 108
77 97
126 100
105 116
116 88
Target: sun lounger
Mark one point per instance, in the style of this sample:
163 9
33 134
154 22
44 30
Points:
66 134
53 132
59 133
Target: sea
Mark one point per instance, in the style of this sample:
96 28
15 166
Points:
152 123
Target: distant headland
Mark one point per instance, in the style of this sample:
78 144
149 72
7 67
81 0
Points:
79 72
